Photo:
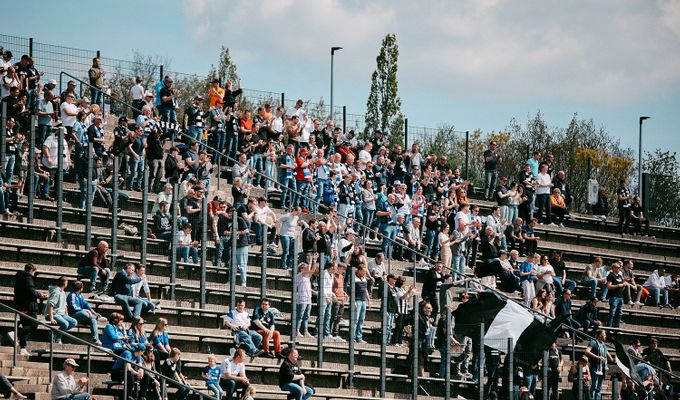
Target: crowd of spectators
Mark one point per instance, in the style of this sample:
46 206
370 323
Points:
413 205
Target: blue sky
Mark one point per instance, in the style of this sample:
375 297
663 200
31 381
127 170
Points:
473 64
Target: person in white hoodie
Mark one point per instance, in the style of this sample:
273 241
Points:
55 309
656 284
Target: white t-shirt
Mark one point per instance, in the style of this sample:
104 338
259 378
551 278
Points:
137 92
52 144
234 369
364 156
292 111
68 120
5 65
442 237
277 124
543 179
543 269
4 92
263 214
462 217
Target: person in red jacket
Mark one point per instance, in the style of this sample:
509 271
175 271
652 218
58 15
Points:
303 178
95 263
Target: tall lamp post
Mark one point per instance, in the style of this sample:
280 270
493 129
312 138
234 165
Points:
642 119
333 50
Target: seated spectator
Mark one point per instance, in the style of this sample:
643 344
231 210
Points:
656 284
160 340
162 222
211 373
291 378
264 320
563 308
238 321
546 275
7 389
114 337
591 278
638 217
560 280
185 245
530 242
588 317
558 207
126 365
136 332
80 310
655 356
233 375
55 309
376 272
172 368
148 305
121 291
632 291
96 264
150 386
65 386
538 302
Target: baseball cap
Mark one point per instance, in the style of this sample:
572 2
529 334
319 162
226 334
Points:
148 94
71 362
303 150
51 81
140 347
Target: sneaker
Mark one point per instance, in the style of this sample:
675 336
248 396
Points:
343 322
561 225
340 339
308 335
97 342
243 284
19 396
467 375
25 352
362 341
637 303
257 353
552 224
56 341
631 303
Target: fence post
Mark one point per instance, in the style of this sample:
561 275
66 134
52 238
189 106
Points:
344 119
31 170
89 367
293 311
173 242
232 269
615 387
447 358
283 100
30 47
88 195
467 155
352 322
263 280
145 210
414 348
59 182
49 378
580 381
125 380
16 337
114 213
544 376
481 361
204 246
406 133
383 342
320 321
160 77
510 364
3 136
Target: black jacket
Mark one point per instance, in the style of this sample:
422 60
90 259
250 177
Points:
25 295
122 284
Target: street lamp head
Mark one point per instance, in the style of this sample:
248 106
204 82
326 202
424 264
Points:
643 118
334 49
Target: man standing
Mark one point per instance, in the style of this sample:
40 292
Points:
492 156
233 374
95 263
599 356
623 196
287 166
26 301
287 225
65 386
193 119
615 286
96 75
166 101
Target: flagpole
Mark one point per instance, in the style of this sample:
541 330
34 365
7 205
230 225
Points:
481 362
544 370
509 360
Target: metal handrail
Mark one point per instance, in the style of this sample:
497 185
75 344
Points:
90 346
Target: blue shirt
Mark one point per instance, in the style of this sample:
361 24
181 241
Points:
127 354
213 374
526 267
161 339
113 337
76 302
533 163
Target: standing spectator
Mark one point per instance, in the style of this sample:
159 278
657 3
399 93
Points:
81 311
265 322
502 195
404 293
121 291
339 300
287 167
599 356
166 101
432 284
12 143
656 284
137 96
303 298
137 151
65 386
328 296
637 216
387 220
211 373
615 286
492 157
291 378
433 224
233 375
194 120
238 321
527 277
623 196
458 249
215 93
55 309
287 226
26 301
554 370
96 75
172 368
362 299
543 189
154 158
632 291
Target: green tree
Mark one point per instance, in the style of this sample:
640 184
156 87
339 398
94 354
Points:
664 170
383 108
226 69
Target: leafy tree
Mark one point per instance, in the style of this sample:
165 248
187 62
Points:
226 69
663 167
383 108
121 74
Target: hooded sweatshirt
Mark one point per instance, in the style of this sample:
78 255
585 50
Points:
57 299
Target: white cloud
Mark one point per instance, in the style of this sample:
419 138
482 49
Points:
595 52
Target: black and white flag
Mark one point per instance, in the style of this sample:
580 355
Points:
505 319
626 363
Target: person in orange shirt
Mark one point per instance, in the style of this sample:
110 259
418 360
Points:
215 92
558 207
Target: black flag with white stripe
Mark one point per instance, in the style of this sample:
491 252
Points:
626 363
505 319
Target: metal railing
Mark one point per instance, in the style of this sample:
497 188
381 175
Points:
90 348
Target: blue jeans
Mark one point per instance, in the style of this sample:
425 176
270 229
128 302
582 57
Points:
328 308
458 266
250 339
46 185
43 130
390 323
83 317
183 253
388 232
369 215
168 114
269 172
298 392
255 163
219 138
543 206
288 252
286 183
361 314
219 250
132 306
83 193
230 387
596 385
657 295
232 146
304 189
93 273
9 167
568 284
490 183
97 96
65 323
242 262
530 381
615 311
136 167
513 211
345 210
195 133
302 316
77 396
432 244
216 389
